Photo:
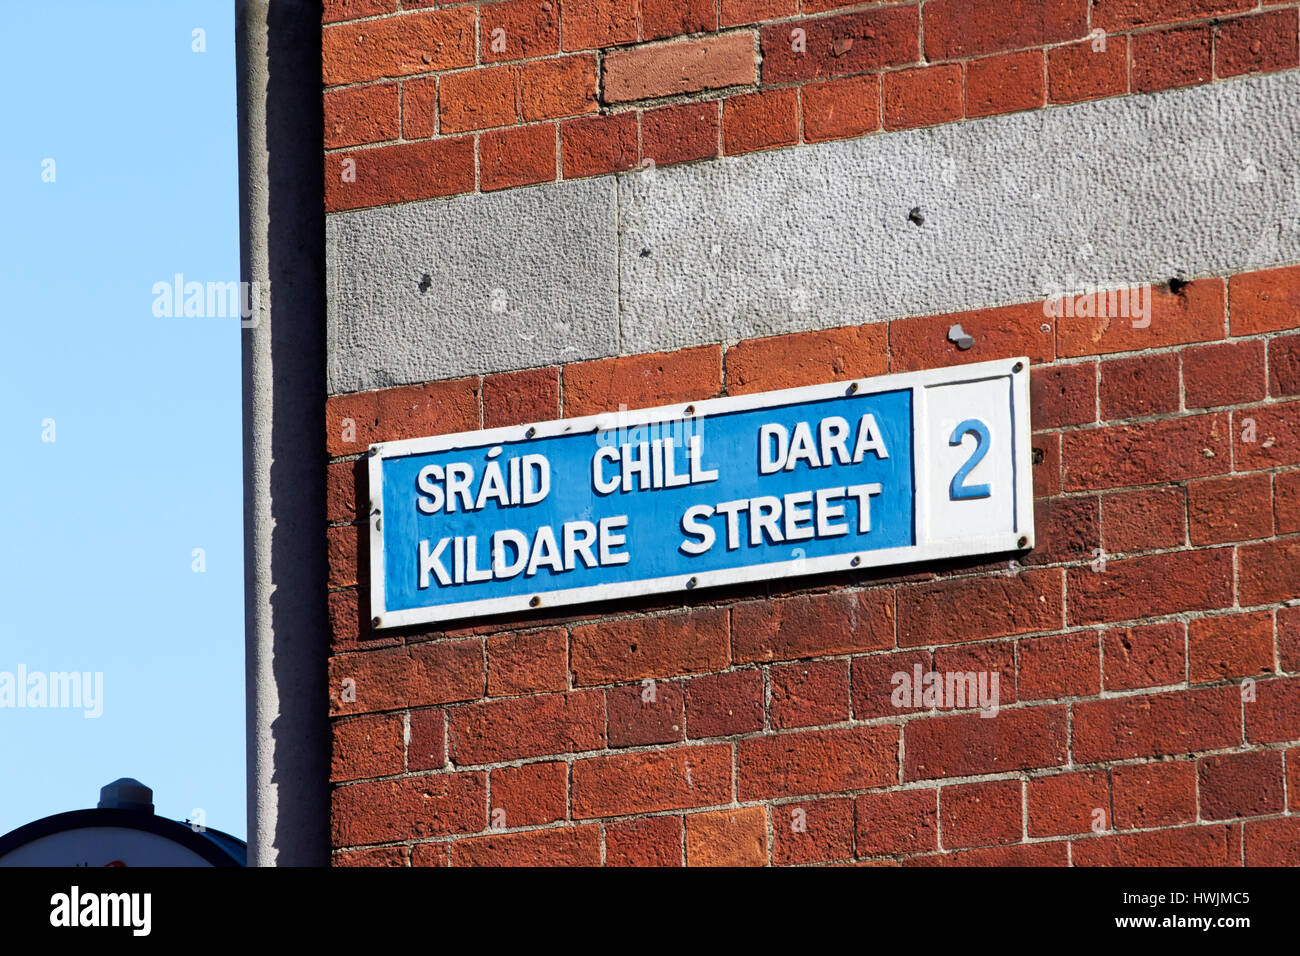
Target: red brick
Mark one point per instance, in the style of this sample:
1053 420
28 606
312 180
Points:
1148 656
720 705
1274 715
1266 437
1189 846
962 28
969 609
508 729
902 821
517 157
1005 84
420 108
1233 645
1063 395
812 831
1192 314
807 358
376 856
431 854
531 795
648 781
1241 785
1154 794
345 490
1153 725
1286 501
920 343
738 12
922 97
363 114
409 676
1288 641
409 808
1283 366
599 144
478 99
809 694
1046 456
517 398
595 24
642 381
1167 58
1079 72
668 18
821 6
336 10
693 642
683 66
1266 41
1147 452
564 86
427 748
966 664
1230 373
1067 803
528 662
1143 520
813 625
980 814
1122 14
968 744
401 173
1293 778
727 837
753 121
1268 572
1020 854
530 28
1152 585
679 134
398 46
816 761
1235 508
840 108
342 546
840 45
366 747
1067 529
564 846
873 683
1265 301
640 715
350 630
1145 385
1066 665
1272 842
648 841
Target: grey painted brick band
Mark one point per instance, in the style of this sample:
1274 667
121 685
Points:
515 279
1133 189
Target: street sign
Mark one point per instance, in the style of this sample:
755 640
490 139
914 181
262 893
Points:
855 474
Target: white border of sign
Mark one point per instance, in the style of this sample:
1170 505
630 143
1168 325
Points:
1022 538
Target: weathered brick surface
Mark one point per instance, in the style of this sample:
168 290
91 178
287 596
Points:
1148 664
684 80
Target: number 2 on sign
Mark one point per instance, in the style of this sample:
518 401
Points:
959 490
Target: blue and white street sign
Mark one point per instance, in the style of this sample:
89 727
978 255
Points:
879 471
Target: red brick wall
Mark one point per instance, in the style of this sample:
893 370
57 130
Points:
1167 477
438 99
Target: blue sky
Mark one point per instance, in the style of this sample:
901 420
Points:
97 565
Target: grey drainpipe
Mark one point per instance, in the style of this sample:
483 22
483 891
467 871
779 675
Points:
282 249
